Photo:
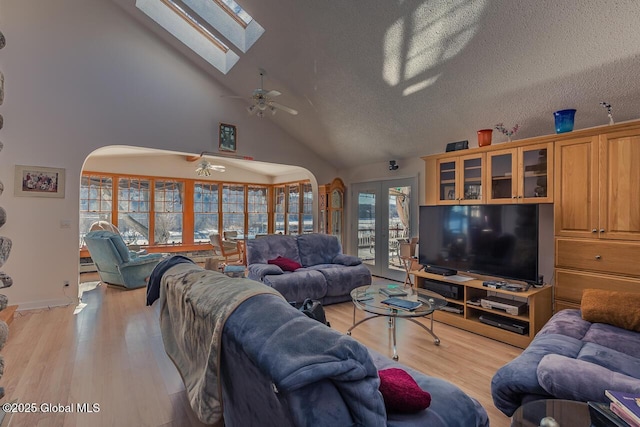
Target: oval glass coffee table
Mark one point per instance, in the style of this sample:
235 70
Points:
369 299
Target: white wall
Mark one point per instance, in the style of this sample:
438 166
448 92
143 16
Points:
83 74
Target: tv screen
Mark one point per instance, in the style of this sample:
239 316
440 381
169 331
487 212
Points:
493 240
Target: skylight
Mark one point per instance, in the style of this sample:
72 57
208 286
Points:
237 10
194 22
235 24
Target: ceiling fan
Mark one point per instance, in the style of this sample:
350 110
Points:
262 100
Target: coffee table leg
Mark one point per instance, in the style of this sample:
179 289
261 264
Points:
436 340
395 348
359 322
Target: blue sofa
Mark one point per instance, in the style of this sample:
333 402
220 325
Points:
116 264
326 275
274 366
570 358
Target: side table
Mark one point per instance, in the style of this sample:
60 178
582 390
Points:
567 413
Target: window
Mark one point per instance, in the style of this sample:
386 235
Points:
233 208
257 211
96 202
293 209
205 210
185 212
168 197
280 206
134 209
307 208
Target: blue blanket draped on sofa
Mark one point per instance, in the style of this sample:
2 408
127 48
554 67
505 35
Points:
280 368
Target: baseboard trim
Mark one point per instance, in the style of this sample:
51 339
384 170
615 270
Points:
36 305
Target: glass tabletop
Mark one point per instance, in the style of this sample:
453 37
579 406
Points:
369 299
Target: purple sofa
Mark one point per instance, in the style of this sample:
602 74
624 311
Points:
572 359
326 275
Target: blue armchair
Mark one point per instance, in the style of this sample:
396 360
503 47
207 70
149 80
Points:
116 264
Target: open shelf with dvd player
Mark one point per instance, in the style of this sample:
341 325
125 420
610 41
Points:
513 317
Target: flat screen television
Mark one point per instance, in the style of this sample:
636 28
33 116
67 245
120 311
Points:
493 240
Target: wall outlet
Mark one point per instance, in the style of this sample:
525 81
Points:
65 283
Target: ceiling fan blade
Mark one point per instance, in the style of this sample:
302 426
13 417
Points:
233 96
283 108
273 93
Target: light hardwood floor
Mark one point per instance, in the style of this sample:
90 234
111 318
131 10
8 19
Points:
111 353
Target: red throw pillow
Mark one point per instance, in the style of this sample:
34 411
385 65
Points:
401 392
286 264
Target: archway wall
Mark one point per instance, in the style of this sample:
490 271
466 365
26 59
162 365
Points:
74 85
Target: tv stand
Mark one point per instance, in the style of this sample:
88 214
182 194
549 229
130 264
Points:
440 270
466 308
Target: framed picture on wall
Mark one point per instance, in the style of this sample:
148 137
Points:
228 136
39 181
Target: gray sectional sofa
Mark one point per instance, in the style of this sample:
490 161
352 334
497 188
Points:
248 356
326 274
570 358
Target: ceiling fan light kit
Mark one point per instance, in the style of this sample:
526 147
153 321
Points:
205 167
262 100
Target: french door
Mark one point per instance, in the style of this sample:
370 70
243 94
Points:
384 215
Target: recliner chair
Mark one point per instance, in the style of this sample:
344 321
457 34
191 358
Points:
116 264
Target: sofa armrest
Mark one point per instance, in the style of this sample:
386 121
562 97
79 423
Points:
142 260
567 378
348 260
258 271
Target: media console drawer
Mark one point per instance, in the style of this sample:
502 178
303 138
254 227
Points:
598 255
570 284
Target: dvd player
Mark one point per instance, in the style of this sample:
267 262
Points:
507 305
504 323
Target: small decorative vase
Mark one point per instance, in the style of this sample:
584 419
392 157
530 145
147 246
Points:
484 137
564 120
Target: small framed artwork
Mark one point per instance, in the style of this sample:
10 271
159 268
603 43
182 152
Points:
39 181
228 135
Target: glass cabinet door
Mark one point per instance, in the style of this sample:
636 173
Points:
501 167
471 179
447 192
536 184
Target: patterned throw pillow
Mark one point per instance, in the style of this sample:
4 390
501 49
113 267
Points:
401 392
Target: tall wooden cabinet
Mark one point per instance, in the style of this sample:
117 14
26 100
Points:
597 214
592 176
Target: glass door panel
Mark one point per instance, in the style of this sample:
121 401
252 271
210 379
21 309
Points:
366 226
399 223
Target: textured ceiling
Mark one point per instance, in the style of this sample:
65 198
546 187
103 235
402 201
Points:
383 79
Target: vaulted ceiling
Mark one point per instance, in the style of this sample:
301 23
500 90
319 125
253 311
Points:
384 79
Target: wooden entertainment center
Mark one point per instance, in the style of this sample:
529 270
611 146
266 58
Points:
538 299
592 177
